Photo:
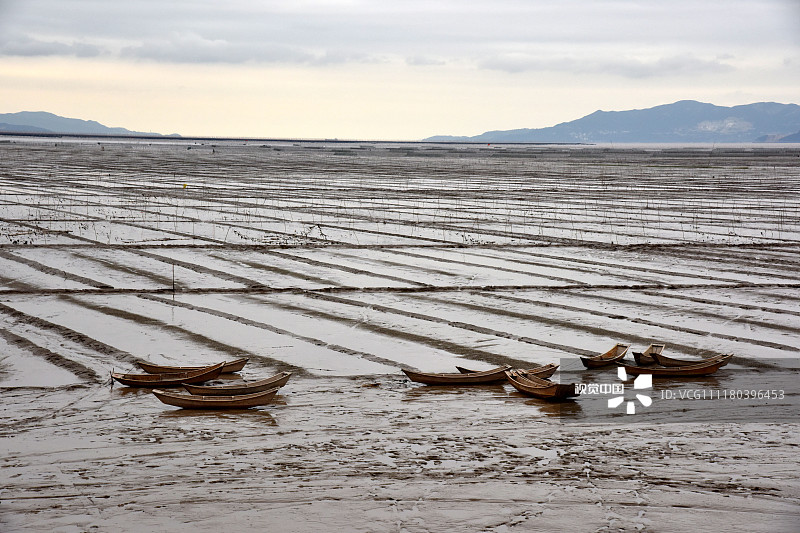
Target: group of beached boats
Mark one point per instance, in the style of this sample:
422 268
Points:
535 382
240 395
653 361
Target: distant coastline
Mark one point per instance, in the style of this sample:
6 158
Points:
682 122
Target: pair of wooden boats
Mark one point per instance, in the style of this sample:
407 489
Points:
680 367
538 387
228 367
175 376
653 361
653 356
235 396
532 382
462 377
465 376
170 379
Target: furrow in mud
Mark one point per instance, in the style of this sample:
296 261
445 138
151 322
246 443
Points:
715 303
460 325
101 348
621 334
83 372
624 266
536 264
413 255
261 265
36 265
193 337
618 269
280 331
198 268
125 267
608 214
694 312
657 324
353 254
460 350
742 258
256 289
343 268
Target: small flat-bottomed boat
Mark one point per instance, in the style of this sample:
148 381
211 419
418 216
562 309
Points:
240 401
540 388
227 368
610 357
273 382
172 379
646 358
671 362
494 375
544 371
699 369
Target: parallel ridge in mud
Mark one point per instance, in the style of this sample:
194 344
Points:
345 260
162 193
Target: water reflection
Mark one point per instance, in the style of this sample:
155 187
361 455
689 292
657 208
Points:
427 392
261 415
131 392
566 409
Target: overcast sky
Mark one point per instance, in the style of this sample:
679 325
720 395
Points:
393 70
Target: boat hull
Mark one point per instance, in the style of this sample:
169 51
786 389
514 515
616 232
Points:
173 379
611 357
702 369
544 371
496 375
541 388
190 401
276 381
228 367
677 363
646 358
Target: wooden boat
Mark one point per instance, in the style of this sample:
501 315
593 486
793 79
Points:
172 379
239 401
273 382
494 375
646 358
610 357
670 362
228 367
544 371
540 388
699 369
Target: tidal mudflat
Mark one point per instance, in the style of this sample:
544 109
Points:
342 262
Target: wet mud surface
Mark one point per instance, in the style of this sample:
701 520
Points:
381 454
343 263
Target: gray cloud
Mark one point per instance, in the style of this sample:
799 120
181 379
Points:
25 46
628 68
194 48
581 36
424 61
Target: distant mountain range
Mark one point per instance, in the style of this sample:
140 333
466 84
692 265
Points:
686 121
34 122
